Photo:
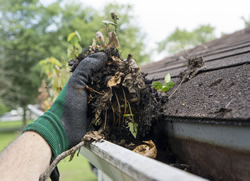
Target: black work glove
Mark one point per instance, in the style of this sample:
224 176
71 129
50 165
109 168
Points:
66 122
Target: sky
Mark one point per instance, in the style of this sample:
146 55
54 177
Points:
159 18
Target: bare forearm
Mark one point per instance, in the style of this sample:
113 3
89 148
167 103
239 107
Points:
26 158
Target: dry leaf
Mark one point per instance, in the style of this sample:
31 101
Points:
93 48
100 37
128 82
134 82
93 136
116 79
122 142
133 65
116 59
113 40
105 99
149 149
94 43
131 144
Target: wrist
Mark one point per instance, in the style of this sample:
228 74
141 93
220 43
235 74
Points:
52 131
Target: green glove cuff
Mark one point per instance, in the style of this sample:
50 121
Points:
50 127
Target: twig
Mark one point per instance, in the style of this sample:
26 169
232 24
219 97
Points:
105 122
53 165
177 88
93 90
113 110
71 156
185 49
105 32
228 104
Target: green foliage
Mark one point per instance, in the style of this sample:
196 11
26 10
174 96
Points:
246 21
133 126
181 39
164 87
74 37
56 76
21 46
49 65
128 115
106 22
167 78
74 49
109 34
114 23
3 108
131 38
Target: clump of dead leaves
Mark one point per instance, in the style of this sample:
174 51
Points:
122 103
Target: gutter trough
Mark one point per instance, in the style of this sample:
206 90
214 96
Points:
118 163
215 149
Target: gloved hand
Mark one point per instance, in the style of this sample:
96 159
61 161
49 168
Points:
66 122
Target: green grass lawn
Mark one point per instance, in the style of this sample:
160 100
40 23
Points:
6 138
78 169
10 124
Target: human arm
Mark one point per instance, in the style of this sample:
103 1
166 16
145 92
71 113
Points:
26 158
66 122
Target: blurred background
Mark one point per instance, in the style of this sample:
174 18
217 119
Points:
33 47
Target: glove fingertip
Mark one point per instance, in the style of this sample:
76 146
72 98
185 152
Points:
93 62
100 55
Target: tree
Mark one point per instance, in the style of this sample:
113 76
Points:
3 108
21 46
246 21
181 39
31 31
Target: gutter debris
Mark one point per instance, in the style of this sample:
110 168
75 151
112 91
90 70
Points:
122 103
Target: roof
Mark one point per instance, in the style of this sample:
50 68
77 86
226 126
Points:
220 90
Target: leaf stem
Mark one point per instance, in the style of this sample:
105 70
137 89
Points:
125 103
119 109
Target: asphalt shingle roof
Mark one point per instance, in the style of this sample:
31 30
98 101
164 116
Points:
221 90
